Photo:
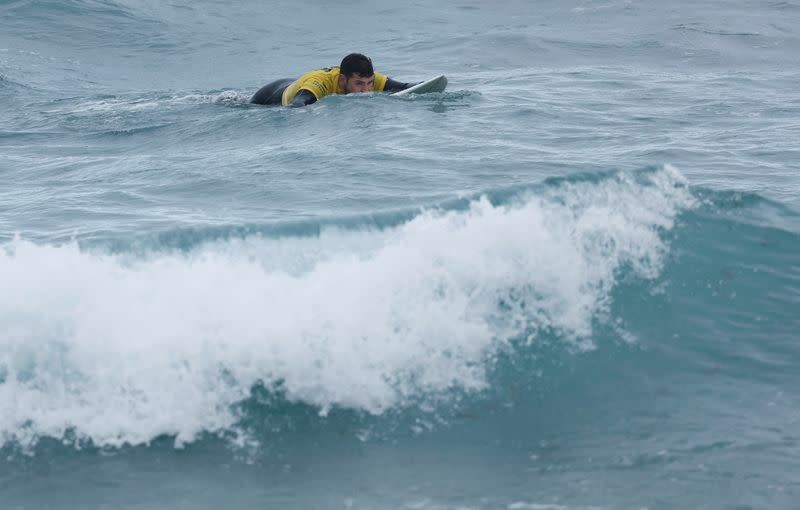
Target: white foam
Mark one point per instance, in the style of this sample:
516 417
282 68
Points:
128 104
123 349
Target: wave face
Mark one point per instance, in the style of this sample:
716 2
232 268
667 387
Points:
363 319
557 322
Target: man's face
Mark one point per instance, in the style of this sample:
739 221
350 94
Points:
356 83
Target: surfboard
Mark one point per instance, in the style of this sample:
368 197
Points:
437 84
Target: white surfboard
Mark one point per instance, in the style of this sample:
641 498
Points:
437 84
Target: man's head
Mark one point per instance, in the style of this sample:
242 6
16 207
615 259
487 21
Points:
357 74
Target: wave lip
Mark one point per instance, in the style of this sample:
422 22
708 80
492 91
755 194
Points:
122 348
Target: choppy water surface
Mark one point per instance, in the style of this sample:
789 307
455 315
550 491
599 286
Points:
570 281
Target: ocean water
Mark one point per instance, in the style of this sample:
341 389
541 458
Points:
571 281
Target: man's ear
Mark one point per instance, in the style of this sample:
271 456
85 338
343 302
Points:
342 82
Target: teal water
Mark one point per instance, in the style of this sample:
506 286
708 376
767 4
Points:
570 281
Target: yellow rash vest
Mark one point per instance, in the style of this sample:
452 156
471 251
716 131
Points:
324 82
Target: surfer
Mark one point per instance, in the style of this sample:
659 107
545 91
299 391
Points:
355 74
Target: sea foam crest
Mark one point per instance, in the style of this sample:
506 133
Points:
121 348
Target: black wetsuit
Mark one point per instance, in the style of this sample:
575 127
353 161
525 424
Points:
272 93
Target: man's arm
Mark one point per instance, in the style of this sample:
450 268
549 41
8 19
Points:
396 86
302 98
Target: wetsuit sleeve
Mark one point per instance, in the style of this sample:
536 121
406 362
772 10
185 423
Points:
302 98
315 85
395 86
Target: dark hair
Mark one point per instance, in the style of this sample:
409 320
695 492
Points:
356 63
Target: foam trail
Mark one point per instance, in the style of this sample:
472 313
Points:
121 349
